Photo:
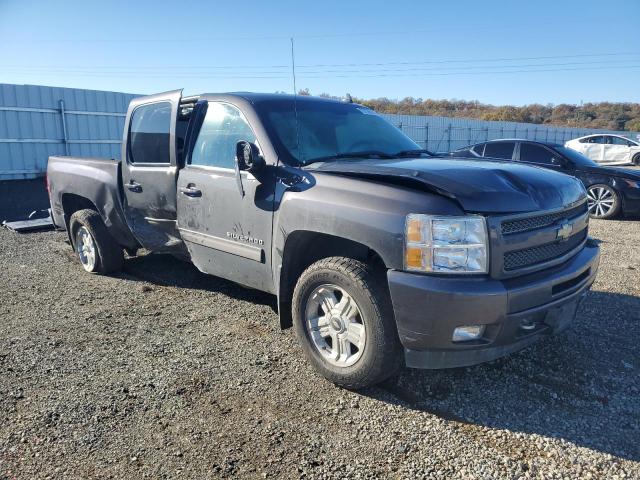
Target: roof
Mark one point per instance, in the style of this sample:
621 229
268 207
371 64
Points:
255 97
548 144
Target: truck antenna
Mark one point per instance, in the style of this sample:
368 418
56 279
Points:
295 100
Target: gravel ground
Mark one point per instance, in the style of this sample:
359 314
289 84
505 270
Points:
162 372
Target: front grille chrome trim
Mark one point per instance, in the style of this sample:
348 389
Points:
502 244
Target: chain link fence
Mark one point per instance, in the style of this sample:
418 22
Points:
443 134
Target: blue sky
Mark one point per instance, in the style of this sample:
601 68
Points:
500 52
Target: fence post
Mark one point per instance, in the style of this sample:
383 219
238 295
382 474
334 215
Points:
426 137
470 141
65 139
449 138
486 134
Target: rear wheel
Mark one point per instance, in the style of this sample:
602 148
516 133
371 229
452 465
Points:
603 201
636 160
97 251
344 322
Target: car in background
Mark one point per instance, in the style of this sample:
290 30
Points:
610 191
609 149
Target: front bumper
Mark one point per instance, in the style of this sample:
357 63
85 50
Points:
428 308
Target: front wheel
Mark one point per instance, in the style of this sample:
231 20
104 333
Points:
344 322
603 201
636 160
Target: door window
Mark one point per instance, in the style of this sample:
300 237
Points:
149 134
535 154
223 127
619 141
598 139
499 150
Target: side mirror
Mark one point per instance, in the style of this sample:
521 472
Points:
248 157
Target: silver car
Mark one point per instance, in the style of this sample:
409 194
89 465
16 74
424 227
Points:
607 149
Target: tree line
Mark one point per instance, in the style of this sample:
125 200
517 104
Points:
604 115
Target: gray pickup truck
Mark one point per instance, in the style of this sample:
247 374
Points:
379 254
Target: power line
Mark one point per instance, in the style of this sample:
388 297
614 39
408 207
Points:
353 74
337 65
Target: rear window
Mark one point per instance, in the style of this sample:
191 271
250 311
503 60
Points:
502 150
149 133
478 149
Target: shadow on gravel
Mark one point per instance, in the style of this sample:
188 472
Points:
167 270
582 386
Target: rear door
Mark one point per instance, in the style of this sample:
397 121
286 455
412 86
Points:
224 215
150 170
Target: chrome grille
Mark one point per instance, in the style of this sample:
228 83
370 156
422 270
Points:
532 223
543 253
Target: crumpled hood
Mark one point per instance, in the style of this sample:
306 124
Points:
478 186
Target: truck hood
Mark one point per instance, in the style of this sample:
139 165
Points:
478 186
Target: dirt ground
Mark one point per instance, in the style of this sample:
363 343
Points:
162 372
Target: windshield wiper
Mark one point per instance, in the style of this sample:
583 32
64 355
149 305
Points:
362 154
411 153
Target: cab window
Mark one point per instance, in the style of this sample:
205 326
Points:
503 150
149 133
223 127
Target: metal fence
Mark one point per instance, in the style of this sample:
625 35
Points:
444 134
38 121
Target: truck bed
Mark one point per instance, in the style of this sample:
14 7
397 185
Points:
94 183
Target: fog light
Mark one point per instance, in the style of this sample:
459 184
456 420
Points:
467 333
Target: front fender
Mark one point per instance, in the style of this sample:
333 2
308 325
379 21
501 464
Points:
366 212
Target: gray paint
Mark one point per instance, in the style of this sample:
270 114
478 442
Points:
242 235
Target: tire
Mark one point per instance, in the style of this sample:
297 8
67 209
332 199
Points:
377 355
604 202
636 160
97 251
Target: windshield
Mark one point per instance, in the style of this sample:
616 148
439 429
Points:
576 157
328 130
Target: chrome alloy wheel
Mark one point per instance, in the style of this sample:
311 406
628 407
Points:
600 201
86 248
334 324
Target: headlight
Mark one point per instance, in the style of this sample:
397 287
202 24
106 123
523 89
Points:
446 244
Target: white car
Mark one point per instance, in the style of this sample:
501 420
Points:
609 149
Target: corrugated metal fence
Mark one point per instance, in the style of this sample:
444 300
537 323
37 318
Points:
444 134
38 121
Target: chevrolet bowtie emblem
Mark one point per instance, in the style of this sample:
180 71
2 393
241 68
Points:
565 231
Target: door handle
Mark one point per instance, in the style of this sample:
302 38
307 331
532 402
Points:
134 187
191 191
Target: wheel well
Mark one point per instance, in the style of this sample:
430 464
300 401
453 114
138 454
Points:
303 248
71 203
